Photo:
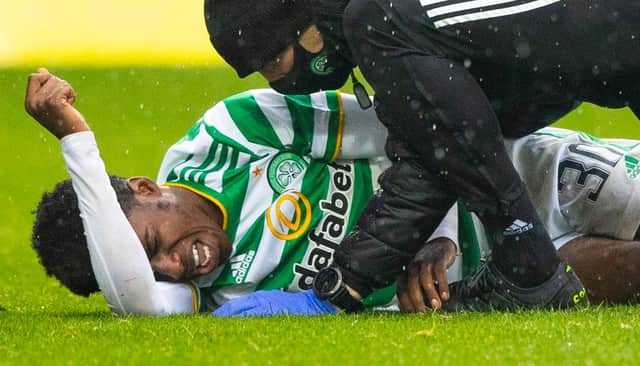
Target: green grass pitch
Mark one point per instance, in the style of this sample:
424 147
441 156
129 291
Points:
137 113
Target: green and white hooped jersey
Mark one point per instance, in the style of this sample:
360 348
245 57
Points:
269 162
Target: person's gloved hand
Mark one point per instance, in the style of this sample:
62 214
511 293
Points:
275 302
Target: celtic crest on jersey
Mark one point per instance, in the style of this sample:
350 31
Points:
284 169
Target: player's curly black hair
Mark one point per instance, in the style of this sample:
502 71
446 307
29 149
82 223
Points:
58 235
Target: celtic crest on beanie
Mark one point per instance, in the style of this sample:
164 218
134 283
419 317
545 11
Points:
249 34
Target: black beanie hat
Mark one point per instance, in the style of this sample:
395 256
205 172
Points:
248 34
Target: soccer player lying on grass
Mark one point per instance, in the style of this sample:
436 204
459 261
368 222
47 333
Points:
260 192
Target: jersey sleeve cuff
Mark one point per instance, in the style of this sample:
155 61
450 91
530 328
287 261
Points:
79 140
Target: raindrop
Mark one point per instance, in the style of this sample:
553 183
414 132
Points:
141 106
467 63
523 49
469 134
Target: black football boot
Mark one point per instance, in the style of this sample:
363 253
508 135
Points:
487 289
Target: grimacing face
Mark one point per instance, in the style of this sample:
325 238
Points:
179 232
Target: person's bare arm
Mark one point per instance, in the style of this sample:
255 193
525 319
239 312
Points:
49 100
609 268
119 262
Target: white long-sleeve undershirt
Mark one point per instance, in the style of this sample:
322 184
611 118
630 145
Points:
118 259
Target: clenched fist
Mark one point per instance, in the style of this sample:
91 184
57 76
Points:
49 100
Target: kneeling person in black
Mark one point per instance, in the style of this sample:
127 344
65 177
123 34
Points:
449 77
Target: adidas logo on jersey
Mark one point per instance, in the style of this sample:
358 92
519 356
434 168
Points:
240 265
633 166
517 227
